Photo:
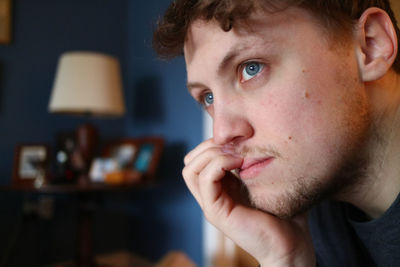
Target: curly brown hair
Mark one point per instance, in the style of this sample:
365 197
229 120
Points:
337 16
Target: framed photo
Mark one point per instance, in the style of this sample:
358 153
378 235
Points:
30 164
5 21
148 156
139 155
122 151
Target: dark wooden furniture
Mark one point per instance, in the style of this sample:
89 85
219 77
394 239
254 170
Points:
85 193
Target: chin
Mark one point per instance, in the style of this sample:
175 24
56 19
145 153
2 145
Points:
295 200
285 207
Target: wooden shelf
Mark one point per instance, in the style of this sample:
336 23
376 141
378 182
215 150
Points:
72 188
85 192
80 188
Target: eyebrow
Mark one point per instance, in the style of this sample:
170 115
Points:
226 61
230 57
191 85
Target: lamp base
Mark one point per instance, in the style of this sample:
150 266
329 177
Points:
86 140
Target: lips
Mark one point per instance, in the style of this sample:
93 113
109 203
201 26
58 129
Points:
252 167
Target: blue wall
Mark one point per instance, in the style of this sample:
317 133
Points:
149 222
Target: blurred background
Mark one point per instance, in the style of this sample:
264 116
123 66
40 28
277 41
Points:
149 221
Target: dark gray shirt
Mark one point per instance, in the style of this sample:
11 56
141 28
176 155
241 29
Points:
343 236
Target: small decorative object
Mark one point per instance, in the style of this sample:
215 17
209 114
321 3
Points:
137 159
5 21
65 170
100 167
30 165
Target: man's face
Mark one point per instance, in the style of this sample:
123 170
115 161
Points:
285 99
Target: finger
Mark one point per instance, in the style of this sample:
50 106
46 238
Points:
210 179
198 150
192 184
191 171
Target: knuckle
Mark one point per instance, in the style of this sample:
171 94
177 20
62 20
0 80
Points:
186 159
185 172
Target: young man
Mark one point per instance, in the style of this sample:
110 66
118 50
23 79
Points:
304 164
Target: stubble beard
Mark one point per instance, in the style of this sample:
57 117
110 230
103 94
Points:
305 192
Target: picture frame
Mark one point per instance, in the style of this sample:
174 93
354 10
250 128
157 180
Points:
123 151
31 162
141 155
5 21
149 155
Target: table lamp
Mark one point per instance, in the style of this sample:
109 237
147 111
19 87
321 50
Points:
88 84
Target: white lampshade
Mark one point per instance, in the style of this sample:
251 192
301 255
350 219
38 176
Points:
87 83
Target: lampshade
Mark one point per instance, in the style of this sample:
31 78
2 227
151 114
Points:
87 83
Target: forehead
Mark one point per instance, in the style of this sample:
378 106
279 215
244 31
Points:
207 37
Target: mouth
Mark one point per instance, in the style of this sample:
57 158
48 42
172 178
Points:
252 167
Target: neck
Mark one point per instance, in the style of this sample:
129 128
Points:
381 184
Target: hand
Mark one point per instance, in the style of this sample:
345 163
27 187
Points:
272 241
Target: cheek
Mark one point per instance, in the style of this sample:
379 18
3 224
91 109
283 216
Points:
286 114
307 100
303 115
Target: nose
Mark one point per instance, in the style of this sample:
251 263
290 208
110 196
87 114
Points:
230 126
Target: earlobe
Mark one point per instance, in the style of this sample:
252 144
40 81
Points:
377 44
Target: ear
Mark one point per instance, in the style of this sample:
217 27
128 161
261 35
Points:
377 44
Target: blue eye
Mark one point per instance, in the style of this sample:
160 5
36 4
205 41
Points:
251 69
208 99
